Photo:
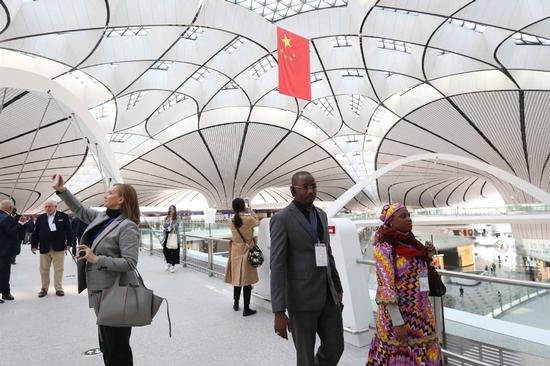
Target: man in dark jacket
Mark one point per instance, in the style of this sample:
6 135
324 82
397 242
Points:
8 245
78 227
53 235
29 228
20 234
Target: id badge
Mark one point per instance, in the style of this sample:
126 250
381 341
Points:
321 258
53 227
424 283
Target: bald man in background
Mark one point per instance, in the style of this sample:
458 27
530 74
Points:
53 236
9 228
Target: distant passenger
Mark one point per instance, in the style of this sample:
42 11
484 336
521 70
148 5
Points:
9 228
239 272
304 279
52 236
172 241
405 325
112 246
461 291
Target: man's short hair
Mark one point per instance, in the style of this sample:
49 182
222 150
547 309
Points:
50 203
6 205
299 175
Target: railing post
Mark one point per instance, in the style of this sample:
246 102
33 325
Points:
439 320
210 257
151 242
184 253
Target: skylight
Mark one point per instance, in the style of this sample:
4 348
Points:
85 79
441 52
316 76
193 33
201 74
262 66
100 112
274 10
134 99
161 65
394 45
120 137
341 41
326 104
170 102
406 90
127 31
387 74
480 28
230 86
233 46
522 39
355 103
394 10
352 73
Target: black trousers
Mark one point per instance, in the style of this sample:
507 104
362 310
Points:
172 256
246 295
114 343
5 272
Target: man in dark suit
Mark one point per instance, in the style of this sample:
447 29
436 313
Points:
20 235
304 279
29 228
9 228
53 235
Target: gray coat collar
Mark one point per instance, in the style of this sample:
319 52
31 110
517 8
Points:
107 230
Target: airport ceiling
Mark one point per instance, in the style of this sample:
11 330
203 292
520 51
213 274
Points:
186 94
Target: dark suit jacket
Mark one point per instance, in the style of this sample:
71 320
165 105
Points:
45 239
297 284
8 235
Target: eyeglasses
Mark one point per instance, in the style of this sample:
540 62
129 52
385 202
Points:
307 187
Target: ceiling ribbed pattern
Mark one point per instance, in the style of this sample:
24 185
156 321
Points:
172 85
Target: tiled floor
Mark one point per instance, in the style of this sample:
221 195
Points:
55 331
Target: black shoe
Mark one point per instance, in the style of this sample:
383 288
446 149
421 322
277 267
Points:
248 312
236 306
8 297
1 301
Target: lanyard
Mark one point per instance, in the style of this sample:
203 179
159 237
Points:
314 225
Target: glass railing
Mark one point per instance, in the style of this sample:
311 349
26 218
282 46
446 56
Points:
204 253
516 209
498 321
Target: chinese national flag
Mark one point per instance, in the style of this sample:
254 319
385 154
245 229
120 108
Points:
293 55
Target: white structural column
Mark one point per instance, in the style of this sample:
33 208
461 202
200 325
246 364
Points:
357 315
519 183
21 79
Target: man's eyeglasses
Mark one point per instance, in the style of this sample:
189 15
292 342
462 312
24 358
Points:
307 187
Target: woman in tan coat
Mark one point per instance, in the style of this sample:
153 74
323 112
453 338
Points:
239 272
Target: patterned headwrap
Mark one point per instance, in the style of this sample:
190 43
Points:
388 211
386 216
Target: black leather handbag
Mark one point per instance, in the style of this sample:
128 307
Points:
255 255
437 287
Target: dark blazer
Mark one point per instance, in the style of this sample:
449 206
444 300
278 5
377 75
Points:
20 234
45 239
297 284
8 235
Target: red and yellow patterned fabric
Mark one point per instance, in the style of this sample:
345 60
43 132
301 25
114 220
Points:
398 283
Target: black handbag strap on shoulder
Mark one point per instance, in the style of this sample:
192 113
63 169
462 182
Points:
242 237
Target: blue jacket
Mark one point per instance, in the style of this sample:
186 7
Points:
45 239
8 235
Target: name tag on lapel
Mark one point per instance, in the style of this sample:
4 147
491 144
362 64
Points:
321 258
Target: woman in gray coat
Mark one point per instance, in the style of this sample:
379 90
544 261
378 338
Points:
109 246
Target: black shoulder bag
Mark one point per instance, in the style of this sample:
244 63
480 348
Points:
255 255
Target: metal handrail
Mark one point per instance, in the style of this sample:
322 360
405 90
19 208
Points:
471 276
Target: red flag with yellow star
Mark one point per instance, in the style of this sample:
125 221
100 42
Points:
293 52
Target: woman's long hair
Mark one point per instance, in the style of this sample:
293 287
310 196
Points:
174 215
130 206
238 207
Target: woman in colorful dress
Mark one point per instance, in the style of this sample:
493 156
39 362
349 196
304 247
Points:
405 325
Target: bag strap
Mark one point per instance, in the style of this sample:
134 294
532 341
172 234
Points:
242 237
168 315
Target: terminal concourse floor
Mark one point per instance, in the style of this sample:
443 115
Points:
55 331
